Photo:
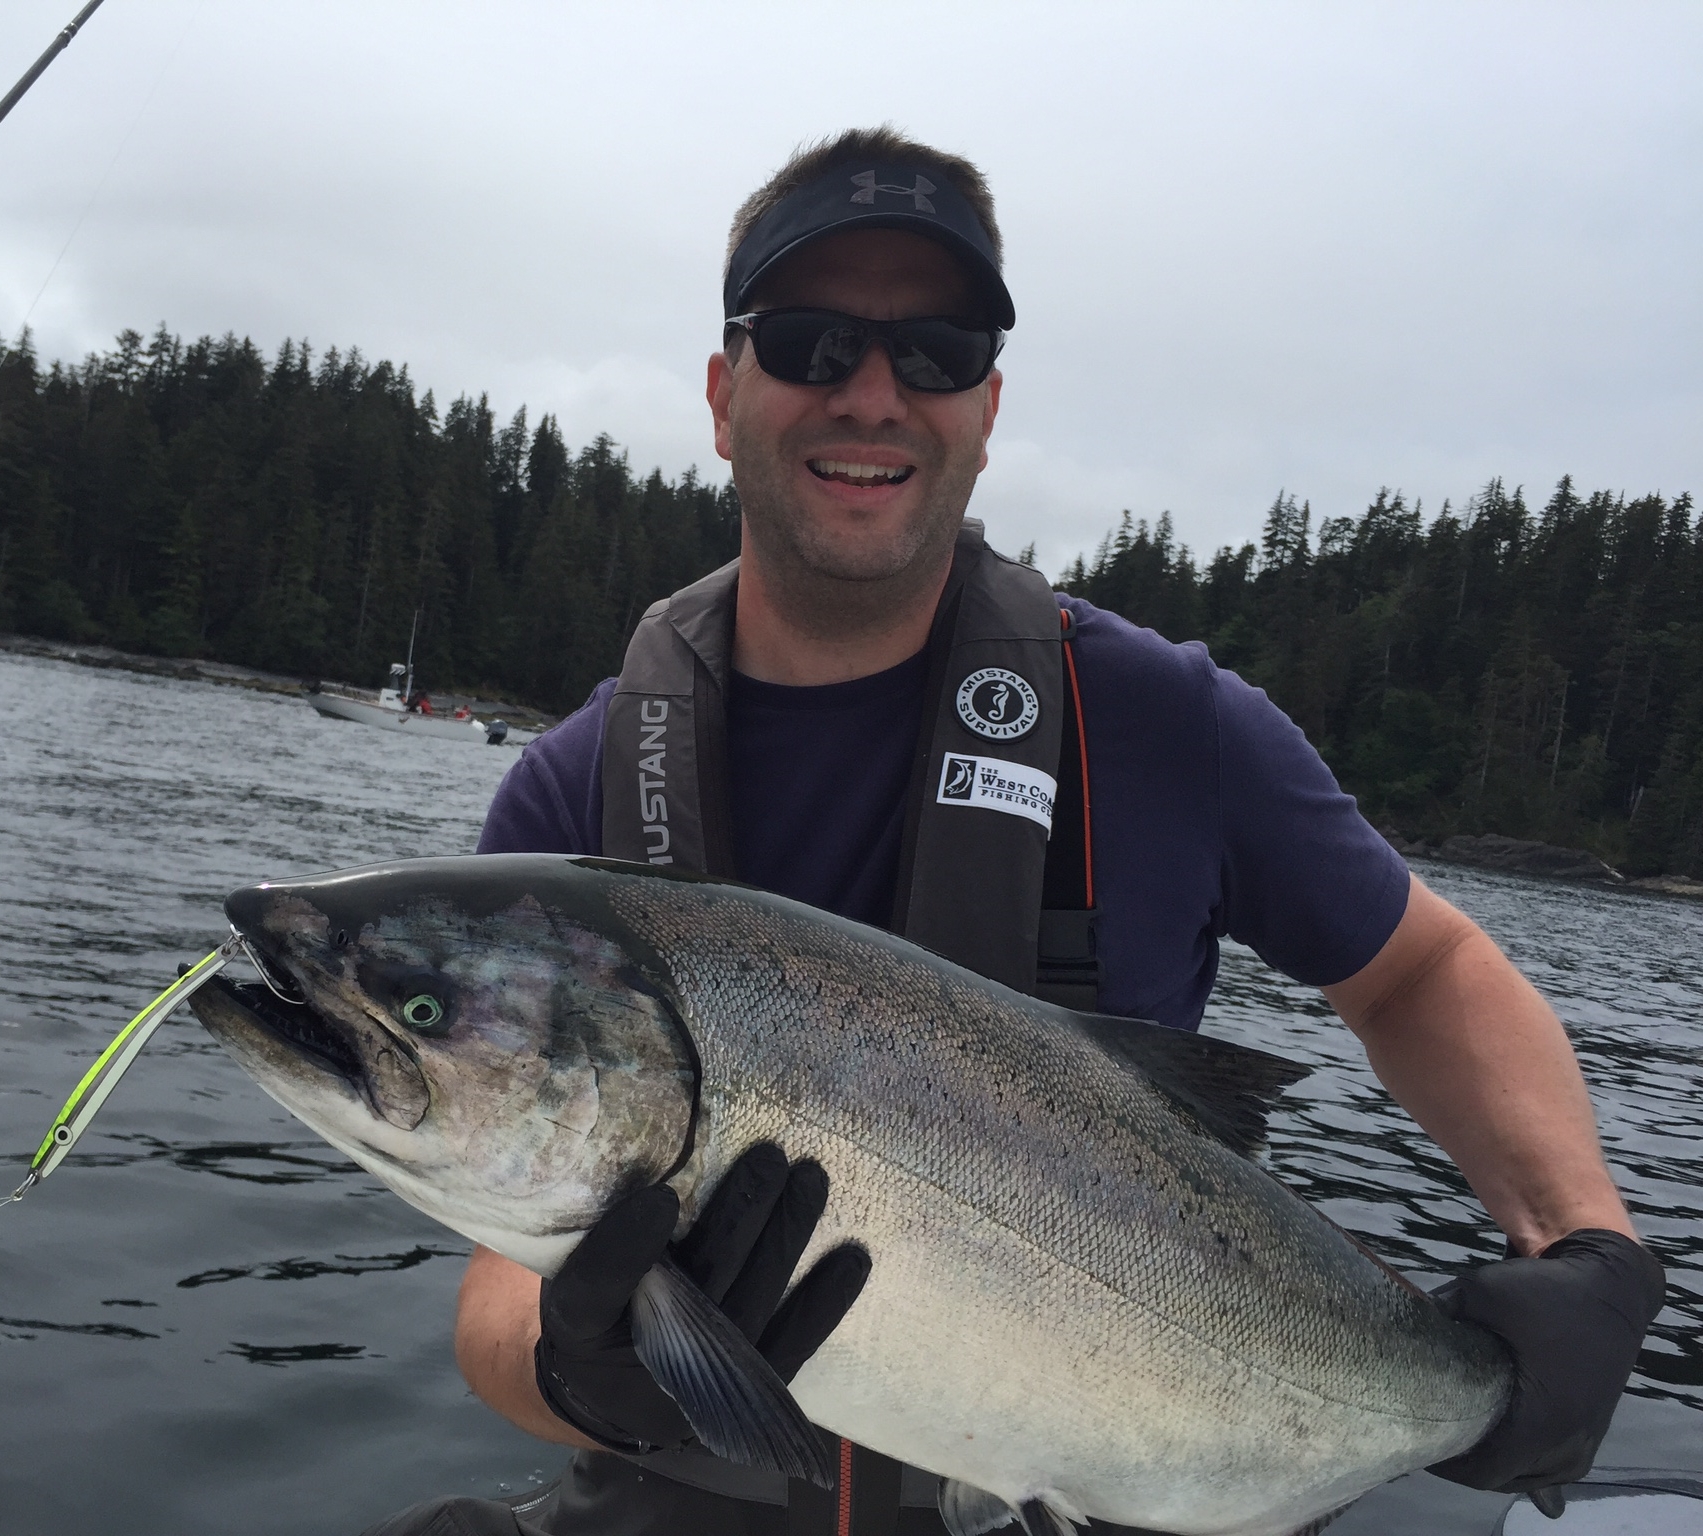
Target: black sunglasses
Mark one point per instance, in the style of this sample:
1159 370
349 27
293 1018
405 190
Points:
936 354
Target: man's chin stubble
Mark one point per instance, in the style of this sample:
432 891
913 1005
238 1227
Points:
832 593
852 560
833 589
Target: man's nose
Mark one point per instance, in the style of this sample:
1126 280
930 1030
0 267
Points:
870 392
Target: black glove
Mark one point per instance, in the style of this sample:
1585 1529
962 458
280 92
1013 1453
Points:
741 1253
1572 1319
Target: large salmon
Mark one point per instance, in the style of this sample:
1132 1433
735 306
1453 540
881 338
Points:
1086 1300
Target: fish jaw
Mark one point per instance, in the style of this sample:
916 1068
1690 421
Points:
553 1079
336 1106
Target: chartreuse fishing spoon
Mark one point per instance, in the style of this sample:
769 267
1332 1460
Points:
114 1062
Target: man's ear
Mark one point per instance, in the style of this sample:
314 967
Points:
718 390
990 409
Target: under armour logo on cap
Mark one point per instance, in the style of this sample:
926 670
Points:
885 195
868 186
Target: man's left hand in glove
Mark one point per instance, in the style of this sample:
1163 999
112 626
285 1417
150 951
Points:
1573 1319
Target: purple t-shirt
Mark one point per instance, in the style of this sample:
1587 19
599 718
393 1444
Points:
1212 814
817 778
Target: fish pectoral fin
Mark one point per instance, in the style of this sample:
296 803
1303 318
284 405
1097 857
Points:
967 1510
1228 1088
1042 1517
730 1395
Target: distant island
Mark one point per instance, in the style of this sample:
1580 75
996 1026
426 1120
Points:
1535 672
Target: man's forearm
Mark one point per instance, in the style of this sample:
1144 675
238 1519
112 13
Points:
1468 1047
496 1326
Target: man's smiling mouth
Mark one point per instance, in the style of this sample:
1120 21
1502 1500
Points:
848 473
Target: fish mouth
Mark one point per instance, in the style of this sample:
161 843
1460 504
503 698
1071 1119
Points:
278 1032
296 1026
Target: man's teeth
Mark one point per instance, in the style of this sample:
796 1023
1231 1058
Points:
860 471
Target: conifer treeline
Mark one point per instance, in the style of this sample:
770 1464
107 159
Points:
192 499
1497 669
1538 674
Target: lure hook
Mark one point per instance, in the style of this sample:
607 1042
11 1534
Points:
265 975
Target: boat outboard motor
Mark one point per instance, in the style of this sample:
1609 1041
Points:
496 733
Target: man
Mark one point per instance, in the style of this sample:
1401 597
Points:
821 721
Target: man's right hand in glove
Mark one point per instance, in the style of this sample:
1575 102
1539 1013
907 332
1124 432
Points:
558 1360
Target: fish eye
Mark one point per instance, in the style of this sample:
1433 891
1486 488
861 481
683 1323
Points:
422 1011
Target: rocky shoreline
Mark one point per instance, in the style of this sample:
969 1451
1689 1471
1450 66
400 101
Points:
192 669
1517 856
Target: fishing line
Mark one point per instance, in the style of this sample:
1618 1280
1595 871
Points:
106 175
112 1063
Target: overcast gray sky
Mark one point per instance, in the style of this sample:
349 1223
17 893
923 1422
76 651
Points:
1253 247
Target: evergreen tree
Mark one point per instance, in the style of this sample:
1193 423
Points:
1493 670
296 515
1489 669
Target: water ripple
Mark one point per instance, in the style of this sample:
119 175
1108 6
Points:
302 1268
1625 974
124 826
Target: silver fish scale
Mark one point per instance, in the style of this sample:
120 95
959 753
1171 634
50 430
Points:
844 1044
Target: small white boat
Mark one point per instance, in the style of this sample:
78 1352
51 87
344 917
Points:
390 711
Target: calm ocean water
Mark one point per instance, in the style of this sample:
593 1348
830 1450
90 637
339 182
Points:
212 1323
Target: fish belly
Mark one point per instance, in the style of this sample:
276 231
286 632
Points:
976 1354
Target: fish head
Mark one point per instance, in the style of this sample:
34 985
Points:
480 1033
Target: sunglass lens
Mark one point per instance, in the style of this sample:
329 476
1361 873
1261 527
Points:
820 347
835 354
917 369
940 357
806 348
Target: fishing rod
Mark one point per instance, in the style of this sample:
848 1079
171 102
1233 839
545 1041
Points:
117 1059
54 49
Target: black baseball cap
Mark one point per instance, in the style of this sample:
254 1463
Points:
861 195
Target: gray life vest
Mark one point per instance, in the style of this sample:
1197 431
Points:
984 785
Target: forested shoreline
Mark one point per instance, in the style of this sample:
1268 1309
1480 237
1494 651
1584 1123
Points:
1535 670
1531 671
196 499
